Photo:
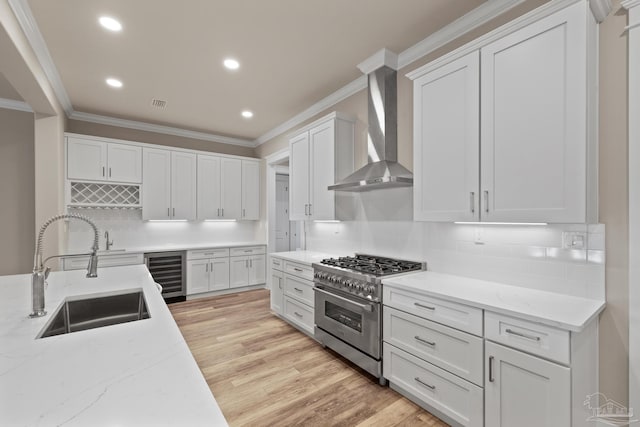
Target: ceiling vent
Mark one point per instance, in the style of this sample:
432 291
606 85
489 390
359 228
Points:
159 104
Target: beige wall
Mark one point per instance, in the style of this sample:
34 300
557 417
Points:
613 207
17 190
95 129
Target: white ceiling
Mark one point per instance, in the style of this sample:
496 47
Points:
292 53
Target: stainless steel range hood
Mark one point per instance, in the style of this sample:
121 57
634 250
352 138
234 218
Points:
383 169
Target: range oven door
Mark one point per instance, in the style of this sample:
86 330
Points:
355 321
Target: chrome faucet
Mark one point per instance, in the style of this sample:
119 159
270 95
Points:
40 273
109 242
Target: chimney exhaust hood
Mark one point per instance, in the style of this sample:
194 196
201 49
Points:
382 169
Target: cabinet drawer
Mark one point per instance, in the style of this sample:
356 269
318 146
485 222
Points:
531 337
458 316
299 314
80 263
208 253
457 352
302 290
434 387
248 250
277 263
301 270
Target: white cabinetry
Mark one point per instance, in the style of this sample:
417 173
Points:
94 160
532 142
231 185
292 296
169 189
250 190
320 154
247 266
104 260
207 270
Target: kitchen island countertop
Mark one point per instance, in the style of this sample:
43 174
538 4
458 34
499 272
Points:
132 374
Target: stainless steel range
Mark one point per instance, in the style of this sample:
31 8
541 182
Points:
348 305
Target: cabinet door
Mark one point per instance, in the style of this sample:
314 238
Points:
322 202
125 163
250 190
231 179
86 159
299 177
525 391
209 187
156 187
277 290
183 186
257 270
198 276
533 122
219 277
446 142
238 271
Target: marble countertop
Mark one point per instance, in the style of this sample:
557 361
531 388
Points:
553 309
169 247
132 374
305 257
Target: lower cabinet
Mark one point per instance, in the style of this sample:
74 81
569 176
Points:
277 290
247 270
525 391
107 260
207 275
292 296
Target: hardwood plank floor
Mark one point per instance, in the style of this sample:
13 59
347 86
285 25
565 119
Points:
264 372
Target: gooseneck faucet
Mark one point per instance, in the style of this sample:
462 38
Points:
40 273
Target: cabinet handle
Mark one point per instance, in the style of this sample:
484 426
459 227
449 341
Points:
250 263
223 212
299 270
244 212
432 387
297 314
246 263
310 209
297 290
491 379
207 268
486 201
109 172
520 334
211 268
422 340
248 251
174 211
417 304
472 197
103 171
305 210
169 212
218 211
279 282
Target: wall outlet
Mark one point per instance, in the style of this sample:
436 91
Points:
477 236
574 240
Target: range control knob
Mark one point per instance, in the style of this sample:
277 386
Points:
371 289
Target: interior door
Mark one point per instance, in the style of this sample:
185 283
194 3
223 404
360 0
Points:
250 190
86 159
299 177
208 187
282 213
156 194
321 146
231 178
220 274
183 185
125 163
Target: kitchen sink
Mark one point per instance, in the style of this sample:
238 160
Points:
91 311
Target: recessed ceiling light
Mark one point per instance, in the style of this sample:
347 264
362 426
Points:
247 114
110 24
231 64
114 82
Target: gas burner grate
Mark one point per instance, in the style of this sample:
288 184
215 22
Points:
377 266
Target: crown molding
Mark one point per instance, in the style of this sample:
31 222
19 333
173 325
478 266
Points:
628 4
29 26
382 58
12 104
167 130
346 91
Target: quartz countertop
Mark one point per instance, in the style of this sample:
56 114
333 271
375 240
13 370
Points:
132 374
170 247
304 257
550 308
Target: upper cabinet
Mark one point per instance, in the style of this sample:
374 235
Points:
93 160
250 190
320 154
504 133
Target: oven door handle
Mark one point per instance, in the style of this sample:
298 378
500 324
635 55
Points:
365 307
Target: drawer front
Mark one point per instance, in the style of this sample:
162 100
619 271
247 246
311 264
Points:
277 264
457 352
248 250
531 337
80 263
299 314
208 253
297 269
458 316
435 387
299 289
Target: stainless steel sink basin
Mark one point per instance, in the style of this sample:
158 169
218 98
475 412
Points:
89 312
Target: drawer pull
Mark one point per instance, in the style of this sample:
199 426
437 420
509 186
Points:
299 270
417 304
519 334
422 340
491 379
297 290
248 251
297 314
432 387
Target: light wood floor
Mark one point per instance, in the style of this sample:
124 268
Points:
264 372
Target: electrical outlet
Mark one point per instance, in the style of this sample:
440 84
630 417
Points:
477 236
574 240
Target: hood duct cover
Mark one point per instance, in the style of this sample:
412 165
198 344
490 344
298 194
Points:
382 169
